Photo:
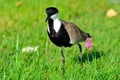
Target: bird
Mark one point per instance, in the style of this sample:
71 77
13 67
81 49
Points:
64 33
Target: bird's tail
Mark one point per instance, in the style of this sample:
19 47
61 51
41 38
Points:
88 35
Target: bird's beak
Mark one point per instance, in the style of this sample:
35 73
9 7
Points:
48 16
46 19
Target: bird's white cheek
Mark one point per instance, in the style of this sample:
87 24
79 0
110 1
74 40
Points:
57 25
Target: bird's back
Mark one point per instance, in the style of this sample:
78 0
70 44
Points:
76 35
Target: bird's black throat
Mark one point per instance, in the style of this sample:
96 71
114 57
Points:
60 38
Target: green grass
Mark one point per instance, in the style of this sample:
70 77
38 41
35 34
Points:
25 26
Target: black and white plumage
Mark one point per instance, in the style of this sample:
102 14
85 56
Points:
63 33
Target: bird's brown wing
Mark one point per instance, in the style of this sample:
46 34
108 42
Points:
76 35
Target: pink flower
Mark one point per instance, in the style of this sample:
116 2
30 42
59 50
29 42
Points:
88 43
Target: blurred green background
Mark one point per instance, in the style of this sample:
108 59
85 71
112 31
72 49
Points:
22 24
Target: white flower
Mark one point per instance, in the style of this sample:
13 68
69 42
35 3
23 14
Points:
30 49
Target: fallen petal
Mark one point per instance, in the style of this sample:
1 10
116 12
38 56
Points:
111 13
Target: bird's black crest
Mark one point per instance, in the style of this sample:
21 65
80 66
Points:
51 10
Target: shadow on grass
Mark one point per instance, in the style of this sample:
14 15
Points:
89 56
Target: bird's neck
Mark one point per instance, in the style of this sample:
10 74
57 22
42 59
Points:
54 24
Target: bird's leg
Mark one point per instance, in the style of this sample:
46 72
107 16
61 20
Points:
63 61
80 55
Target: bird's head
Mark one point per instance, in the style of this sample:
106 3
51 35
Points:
51 13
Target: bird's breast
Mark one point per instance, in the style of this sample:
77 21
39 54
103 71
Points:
60 38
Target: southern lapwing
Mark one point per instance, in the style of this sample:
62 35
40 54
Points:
65 34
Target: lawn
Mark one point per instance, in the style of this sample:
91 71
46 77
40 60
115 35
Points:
22 24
